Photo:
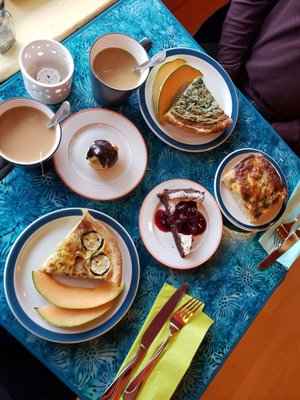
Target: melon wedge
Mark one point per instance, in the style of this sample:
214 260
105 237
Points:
68 318
73 297
163 72
173 86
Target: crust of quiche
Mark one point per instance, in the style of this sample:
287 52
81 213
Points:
255 185
197 111
70 258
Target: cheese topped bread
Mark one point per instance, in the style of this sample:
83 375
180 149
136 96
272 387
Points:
90 250
196 110
255 185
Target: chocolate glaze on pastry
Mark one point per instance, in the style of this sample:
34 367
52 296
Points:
102 154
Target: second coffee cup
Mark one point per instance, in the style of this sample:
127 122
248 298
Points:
111 59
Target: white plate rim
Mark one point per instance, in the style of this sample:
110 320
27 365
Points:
67 337
171 141
218 229
218 192
95 115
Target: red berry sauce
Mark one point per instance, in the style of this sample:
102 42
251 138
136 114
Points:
186 217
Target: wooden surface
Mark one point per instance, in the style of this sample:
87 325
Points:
192 13
265 364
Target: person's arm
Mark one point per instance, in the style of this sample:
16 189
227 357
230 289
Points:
243 20
290 132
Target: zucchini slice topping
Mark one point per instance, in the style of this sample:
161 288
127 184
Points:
100 264
91 241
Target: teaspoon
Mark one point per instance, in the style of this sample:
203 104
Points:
61 113
157 59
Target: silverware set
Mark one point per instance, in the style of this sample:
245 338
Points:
285 237
178 320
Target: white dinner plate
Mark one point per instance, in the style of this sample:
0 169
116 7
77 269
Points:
228 205
78 133
161 245
217 81
30 251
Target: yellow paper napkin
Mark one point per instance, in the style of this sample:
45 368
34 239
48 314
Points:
177 356
291 212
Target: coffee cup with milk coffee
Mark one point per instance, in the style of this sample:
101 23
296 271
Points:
111 59
25 139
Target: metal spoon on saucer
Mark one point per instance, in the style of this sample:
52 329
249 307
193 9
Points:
157 59
61 113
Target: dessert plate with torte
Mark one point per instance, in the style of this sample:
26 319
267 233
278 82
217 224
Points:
102 155
180 224
51 242
189 101
250 189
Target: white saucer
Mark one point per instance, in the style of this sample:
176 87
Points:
161 245
78 133
230 208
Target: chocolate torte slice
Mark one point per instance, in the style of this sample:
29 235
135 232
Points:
182 216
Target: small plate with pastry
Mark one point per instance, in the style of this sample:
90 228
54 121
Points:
71 275
250 189
189 101
180 224
102 154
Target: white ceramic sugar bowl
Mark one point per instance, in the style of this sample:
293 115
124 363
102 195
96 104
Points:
47 68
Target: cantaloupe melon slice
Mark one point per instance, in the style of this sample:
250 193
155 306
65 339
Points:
163 72
173 86
74 297
68 318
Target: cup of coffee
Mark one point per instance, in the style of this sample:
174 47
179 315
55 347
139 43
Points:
25 139
111 59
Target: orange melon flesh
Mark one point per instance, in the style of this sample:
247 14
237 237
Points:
172 87
68 318
73 297
164 71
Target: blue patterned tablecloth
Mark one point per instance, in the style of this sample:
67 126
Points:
229 283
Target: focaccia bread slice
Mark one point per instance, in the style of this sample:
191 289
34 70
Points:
90 250
196 110
170 198
255 185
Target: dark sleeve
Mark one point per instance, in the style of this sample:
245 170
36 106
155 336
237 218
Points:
242 22
290 132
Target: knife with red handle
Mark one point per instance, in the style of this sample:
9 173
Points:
114 391
286 245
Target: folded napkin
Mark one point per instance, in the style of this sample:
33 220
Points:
177 356
291 212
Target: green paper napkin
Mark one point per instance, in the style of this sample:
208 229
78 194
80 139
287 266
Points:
177 356
291 212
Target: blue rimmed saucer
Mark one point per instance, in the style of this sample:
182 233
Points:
31 249
217 81
227 204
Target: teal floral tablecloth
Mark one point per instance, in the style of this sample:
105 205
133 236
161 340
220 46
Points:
229 283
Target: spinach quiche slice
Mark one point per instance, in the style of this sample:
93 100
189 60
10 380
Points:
255 185
196 110
90 250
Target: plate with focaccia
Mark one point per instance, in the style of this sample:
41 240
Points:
250 189
180 224
71 275
189 101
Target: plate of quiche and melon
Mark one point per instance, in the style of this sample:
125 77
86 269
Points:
189 101
71 275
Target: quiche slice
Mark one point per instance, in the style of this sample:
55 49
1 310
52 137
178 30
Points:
183 217
196 110
90 250
255 185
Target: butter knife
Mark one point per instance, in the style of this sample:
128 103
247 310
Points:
286 245
114 391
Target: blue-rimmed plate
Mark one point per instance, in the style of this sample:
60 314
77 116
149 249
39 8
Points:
28 253
219 84
230 208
